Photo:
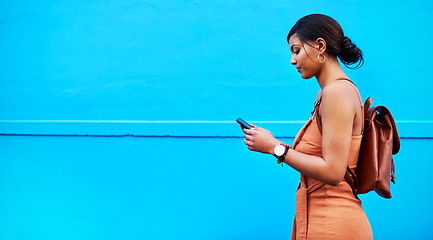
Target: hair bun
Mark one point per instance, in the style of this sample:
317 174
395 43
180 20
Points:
347 42
350 53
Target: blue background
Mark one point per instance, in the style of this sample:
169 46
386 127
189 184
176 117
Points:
117 117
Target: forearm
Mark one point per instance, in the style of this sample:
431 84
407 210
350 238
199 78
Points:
314 167
330 172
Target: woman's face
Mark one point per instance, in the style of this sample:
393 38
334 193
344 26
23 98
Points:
302 57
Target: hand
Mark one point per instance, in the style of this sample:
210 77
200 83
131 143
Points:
260 140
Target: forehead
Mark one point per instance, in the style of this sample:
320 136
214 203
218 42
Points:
294 40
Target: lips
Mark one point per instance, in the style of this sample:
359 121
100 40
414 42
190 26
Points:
299 69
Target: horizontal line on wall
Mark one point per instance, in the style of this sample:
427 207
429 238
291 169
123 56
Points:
153 136
123 135
188 128
139 121
170 121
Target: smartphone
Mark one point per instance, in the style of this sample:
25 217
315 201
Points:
243 123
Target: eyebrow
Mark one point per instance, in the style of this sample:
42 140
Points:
291 48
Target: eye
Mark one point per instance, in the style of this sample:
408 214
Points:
296 50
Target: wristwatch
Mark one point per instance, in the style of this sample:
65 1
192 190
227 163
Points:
280 151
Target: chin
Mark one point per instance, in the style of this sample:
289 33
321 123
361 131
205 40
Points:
306 76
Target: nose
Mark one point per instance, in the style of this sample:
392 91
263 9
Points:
293 60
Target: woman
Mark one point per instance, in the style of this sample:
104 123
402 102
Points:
330 141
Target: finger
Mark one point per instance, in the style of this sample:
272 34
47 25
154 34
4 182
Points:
246 130
251 131
248 137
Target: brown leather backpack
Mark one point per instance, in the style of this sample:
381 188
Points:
375 169
380 141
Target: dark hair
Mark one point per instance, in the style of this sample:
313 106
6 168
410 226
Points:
314 26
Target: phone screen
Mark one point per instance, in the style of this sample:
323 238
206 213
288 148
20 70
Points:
243 123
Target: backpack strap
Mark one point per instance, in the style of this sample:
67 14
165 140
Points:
352 180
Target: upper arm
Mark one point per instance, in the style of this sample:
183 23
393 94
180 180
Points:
337 115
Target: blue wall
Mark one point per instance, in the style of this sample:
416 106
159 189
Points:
206 188
176 74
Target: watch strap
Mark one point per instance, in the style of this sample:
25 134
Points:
281 158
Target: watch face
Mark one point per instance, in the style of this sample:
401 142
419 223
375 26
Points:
279 150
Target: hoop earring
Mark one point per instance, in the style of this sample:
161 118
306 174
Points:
318 58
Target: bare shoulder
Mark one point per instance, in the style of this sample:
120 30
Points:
340 89
340 94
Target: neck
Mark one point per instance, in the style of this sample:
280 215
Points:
330 71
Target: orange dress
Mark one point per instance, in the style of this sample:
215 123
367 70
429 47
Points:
324 211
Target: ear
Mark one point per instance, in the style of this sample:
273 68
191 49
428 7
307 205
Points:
321 43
